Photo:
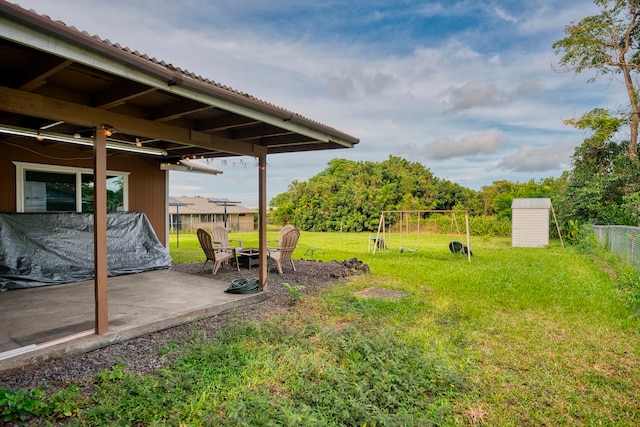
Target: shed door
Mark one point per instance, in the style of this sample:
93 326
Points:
530 228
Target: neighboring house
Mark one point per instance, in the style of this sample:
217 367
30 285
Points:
80 110
191 213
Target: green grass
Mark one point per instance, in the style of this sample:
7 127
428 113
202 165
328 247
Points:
515 337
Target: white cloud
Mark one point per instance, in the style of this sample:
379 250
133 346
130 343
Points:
529 158
503 14
474 94
528 88
356 82
446 148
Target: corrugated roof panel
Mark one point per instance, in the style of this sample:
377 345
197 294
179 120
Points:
538 203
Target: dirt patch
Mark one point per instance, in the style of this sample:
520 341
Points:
384 293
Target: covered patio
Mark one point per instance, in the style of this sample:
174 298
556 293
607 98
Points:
52 321
79 112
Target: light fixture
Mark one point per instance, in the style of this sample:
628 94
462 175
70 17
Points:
108 130
77 139
123 146
138 142
50 125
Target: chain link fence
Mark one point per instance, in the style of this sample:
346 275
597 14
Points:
622 240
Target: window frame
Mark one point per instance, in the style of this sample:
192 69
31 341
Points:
23 167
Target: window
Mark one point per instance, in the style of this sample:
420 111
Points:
48 188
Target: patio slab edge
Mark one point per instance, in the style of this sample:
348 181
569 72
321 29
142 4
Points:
88 341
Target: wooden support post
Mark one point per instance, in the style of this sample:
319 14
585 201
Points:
557 225
466 221
380 227
100 231
262 220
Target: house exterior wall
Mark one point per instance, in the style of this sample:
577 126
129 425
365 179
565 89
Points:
238 222
243 222
147 183
530 227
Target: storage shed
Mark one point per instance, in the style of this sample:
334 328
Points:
530 222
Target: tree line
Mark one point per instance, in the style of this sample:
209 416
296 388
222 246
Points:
602 187
350 195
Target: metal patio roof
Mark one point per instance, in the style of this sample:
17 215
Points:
56 77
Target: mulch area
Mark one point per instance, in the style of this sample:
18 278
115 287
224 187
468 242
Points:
141 355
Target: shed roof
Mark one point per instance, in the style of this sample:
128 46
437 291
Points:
535 203
68 81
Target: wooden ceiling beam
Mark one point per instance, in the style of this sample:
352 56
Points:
259 132
120 95
178 110
226 122
40 71
30 104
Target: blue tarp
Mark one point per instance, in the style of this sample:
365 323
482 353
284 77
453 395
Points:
40 249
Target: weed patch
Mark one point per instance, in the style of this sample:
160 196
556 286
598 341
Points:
294 370
29 404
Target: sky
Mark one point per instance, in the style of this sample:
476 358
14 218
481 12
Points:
470 89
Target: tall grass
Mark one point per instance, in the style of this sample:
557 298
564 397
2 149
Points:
515 337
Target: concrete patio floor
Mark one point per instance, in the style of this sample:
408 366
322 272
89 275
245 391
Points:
51 321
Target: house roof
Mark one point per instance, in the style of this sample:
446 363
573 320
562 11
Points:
68 81
202 206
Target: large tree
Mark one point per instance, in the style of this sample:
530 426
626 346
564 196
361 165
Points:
350 195
608 43
604 183
603 186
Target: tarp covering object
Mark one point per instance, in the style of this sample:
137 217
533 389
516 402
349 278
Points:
40 249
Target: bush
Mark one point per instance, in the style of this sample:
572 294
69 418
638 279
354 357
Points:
482 225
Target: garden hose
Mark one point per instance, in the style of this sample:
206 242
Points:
244 286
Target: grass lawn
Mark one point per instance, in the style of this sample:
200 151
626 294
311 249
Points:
516 337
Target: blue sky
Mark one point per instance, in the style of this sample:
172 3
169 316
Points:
466 88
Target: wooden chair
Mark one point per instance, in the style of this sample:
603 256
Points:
221 237
287 244
214 253
283 231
